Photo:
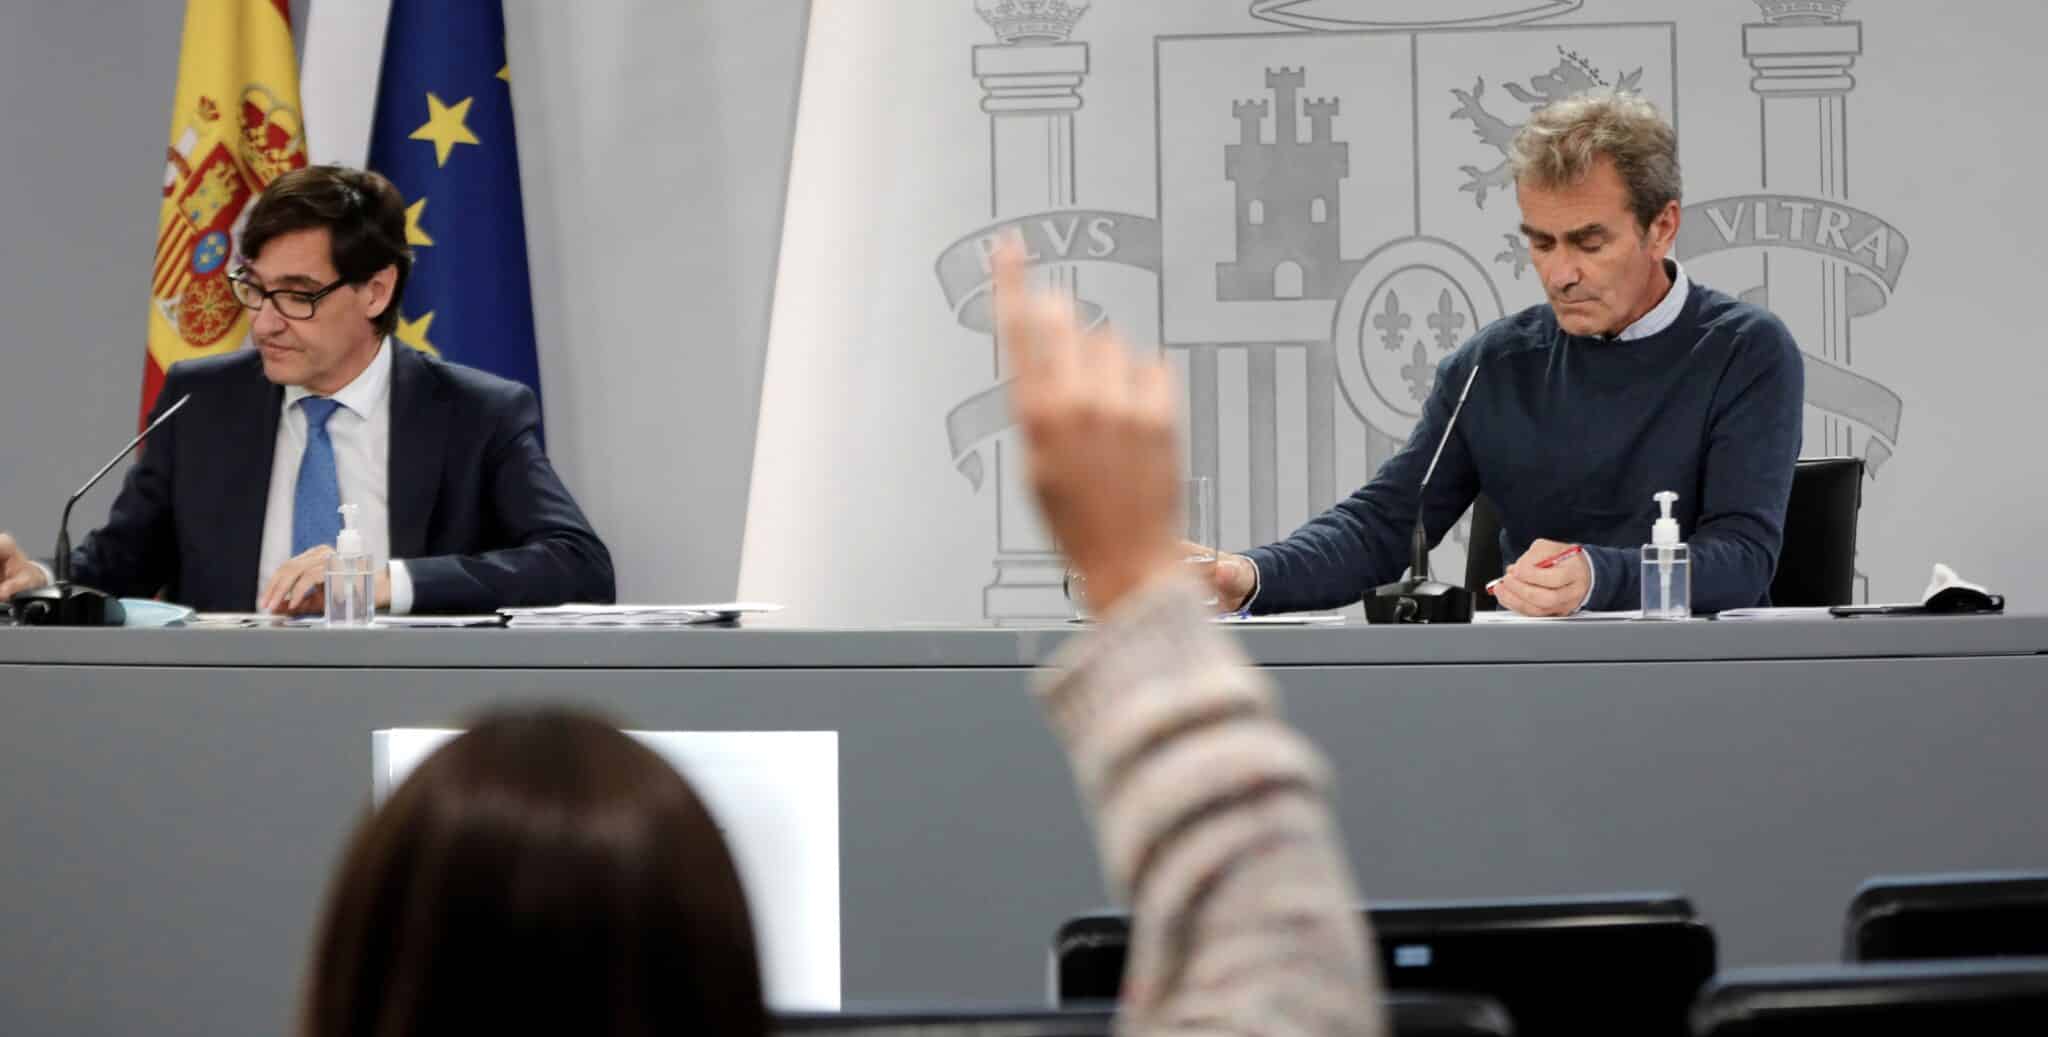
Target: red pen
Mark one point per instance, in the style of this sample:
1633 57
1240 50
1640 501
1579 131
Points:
1547 563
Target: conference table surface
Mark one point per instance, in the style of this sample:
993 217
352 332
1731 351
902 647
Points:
172 801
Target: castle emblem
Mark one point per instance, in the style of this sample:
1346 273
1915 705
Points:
1288 208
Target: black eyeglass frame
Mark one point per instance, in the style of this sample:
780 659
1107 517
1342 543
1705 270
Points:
274 296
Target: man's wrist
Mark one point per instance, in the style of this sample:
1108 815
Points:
1251 595
1592 580
398 589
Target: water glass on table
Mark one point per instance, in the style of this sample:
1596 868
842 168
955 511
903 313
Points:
1198 500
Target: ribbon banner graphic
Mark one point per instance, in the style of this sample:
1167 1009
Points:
1049 238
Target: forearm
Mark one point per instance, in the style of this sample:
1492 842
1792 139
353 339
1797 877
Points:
1729 569
551 570
1330 562
1211 818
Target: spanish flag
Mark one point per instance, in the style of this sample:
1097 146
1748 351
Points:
235 127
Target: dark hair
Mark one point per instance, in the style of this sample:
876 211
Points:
365 219
541 873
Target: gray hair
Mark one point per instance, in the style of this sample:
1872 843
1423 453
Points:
1559 144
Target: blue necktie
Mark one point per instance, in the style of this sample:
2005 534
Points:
316 502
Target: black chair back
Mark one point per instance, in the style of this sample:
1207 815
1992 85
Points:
1483 561
1984 915
1558 965
1411 1015
1446 1015
1817 563
1960 997
942 1021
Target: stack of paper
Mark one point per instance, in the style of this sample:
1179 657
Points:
632 615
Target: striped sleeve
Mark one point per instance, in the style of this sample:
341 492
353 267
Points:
1211 819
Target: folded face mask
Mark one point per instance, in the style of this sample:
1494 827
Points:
142 612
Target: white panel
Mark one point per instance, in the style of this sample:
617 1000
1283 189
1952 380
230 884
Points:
338 79
775 796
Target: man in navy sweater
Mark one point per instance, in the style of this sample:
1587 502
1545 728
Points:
1631 380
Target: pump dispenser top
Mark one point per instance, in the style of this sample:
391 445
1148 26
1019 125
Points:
1667 567
1665 532
350 542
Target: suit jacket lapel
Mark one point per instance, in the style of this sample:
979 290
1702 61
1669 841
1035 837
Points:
419 433
250 447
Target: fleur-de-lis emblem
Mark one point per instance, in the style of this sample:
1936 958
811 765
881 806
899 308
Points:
1393 324
1419 372
1446 321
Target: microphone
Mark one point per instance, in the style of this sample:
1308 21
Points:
67 604
1419 599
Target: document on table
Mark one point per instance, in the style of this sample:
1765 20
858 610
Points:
651 616
1505 616
237 620
1283 619
432 622
1777 612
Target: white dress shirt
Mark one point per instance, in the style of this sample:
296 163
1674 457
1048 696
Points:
1665 313
361 432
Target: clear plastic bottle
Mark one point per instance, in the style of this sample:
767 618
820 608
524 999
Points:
1667 567
351 582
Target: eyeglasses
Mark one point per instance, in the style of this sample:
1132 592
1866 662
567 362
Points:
291 303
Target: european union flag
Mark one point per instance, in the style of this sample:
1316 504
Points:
443 133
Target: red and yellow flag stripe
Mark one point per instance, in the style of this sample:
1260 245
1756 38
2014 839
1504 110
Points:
236 125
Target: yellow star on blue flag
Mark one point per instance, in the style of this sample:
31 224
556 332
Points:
443 133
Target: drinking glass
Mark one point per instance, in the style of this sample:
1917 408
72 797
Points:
1198 500
1198 496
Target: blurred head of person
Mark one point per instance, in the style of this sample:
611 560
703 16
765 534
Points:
540 873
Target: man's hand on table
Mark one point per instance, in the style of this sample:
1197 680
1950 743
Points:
1532 590
300 586
17 572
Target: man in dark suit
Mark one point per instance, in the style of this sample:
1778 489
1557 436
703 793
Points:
234 504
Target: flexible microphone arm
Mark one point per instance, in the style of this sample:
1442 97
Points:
60 567
1420 543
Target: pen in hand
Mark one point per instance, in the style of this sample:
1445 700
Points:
1547 563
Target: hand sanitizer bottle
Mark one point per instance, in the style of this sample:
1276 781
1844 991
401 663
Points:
1667 567
351 583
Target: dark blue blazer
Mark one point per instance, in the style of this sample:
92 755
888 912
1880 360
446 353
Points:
477 513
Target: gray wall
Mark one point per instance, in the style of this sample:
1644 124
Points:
654 140
654 143
85 101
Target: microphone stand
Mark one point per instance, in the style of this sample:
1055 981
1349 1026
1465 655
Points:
1420 599
66 604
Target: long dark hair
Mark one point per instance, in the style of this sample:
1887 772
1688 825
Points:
541 873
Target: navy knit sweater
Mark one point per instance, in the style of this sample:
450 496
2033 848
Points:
1570 437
